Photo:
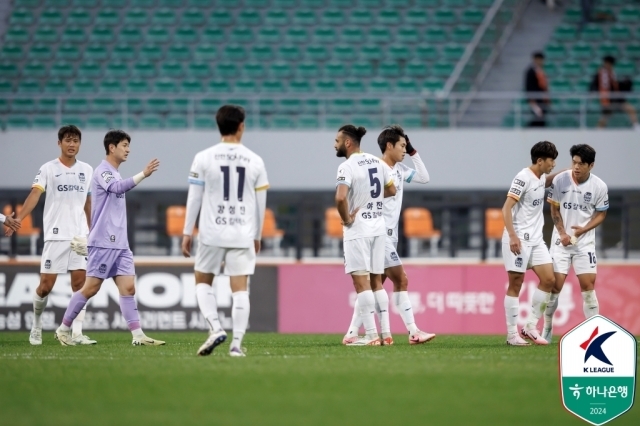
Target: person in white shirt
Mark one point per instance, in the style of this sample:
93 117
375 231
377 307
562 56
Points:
579 203
394 144
522 243
11 223
67 213
363 182
228 184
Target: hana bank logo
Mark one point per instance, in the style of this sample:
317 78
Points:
593 349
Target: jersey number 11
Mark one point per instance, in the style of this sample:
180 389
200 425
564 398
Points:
225 182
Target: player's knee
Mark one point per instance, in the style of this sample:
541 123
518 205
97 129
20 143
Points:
402 283
45 286
76 285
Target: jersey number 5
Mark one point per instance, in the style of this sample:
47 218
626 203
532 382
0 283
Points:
375 183
225 182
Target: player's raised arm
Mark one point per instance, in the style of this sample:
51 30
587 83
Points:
420 174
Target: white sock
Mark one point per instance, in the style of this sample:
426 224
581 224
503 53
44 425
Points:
39 303
356 321
403 304
76 326
511 311
367 305
590 305
538 305
551 309
240 316
382 309
137 333
208 305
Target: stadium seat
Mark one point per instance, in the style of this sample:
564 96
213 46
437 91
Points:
136 16
379 85
619 32
192 17
325 86
176 121
472 16
21 16
453 52
75 105
41 52
163 16
630 14
417 227
95 52
17 34
171 69
271 235
165 86
51 16
399 52
592 32
426 52
34 69
417 17
18 122
280 69
304 17
312 4
435 34
333 230
232 52
389 69
379 35
144 69
157 34
278 17
45 34
250 17
406 85
101 34
288 52
89 69
23 105
219 86
462 33
316 52
325 34
253 69
389 17
175 218
445 16
111 85
123 52
353 85
565 32
107 16
210 105
29 86
632 51
307 69
361 17
150 121
105 105
372 52
571 69
241 35
555 51
137 86
494 227
43 122
226 69
74 34
273 86
581 50
296 35
12 51
268 35
262 52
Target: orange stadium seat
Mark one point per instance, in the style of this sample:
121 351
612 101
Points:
271 233
175 224
26 230
333 230
418 226
494 226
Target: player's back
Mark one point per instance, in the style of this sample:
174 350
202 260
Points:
365 174
231 174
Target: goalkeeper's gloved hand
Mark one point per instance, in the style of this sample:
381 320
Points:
410 149
79 245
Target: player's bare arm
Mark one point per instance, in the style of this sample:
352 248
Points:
549 178
27 207
87 210
514 242
422 175
565 239
342 204
595 221
11 224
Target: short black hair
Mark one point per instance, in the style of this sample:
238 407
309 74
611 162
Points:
391 134
586 153
113 137
538 55
354 133
69 129
229 118
543 150
609 60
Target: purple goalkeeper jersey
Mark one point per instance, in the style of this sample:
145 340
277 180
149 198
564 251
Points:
109 208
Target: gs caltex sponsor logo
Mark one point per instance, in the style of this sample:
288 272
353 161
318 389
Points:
598 366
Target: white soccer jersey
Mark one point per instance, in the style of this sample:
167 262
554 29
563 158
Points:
366 176
231 174
528 190
578 203
393 205
66 190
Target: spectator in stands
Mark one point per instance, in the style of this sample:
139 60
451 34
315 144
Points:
606 83
536 81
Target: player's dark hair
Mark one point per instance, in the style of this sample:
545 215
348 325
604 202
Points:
390 134
538 55
354 133
543 150
609 60
586 153
69 130
229 118
114 137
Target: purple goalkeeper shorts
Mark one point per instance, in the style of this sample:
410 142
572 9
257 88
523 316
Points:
108 263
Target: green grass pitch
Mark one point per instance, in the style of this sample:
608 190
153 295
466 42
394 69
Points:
284 380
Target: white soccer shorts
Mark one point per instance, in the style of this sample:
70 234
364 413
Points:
364 254
232 262
583 259
391 257
529 257
58 258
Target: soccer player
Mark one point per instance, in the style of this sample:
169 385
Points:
394 143
108 247
522 244
11 223
579 202
67 213
363 182
228 184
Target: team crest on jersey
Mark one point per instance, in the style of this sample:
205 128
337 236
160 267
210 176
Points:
47 264
55 231
81 177
112 238
518 262
394 256
103 268
526 237
558 241
587 197
389 232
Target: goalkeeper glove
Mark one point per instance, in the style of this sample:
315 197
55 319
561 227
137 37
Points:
79 245
410 149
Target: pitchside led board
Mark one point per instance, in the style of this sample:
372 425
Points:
598 366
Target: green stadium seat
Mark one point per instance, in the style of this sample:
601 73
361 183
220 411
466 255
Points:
372 52
630 14
163 16
137 86
573 15
219 86
361 17
343 52
62 69
353 85
340 106
81 17
17 34
104 105
399 52
123 52
174 4
75 105
82 85
299 86
124 123
373 4
555 51
282 122
96 52
253 69
362 69
273 86
98 122
325 34
472 16
242 35
278 17
204 122
308 121
44 122
41 52
171 69
213 35
453 52
426 52
561 86
592 32
285 4
27 3
89 69
389 69
351 35
136 16
442 69
183 104
259 4
245 86
51 16
625 69
21 16
307 69
150 121
198 70
74 34
107 16
406 85
210 105
288 106
232 52
444 16
135 105
268 35
335 69
280 69
379 85
608 49
226 69
565 32
57 3
379 35
178 52
6 86
389 17
165 85
571 69
332 17
157 105
101 34
130 34
110 85
289 52
151 52
249 17
144 69
313 4
620 32
316 52
192 85
45 34
416 69
325 86
157 34
176 121
18 122
399 3
632 51
47 105
34 69
23 105
435 34
192 17
417 17
300 17
462 34
8 69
